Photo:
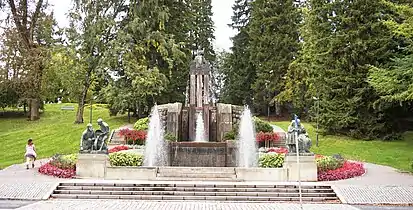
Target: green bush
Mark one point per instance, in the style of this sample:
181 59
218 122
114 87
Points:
142 124
170 137
262 126
271 160
327 163
230 135
125 159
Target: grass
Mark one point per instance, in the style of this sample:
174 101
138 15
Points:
54 133
397 154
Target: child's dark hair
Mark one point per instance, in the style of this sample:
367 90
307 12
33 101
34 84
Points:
29 141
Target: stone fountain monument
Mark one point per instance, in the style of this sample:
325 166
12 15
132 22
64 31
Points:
180 120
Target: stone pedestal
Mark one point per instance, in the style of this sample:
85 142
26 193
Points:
308 167
92 165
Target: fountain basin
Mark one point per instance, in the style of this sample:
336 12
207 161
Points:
202 154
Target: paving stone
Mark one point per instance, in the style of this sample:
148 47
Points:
167 205
376 194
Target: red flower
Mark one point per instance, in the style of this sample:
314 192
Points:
349 170
118 148
270 136
134 135
51 170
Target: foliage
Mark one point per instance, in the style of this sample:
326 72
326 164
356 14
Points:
347 171
92 28
64 161
118 148
273 31
231 135
55 133
142 124
125 159
267 137
170 137
328 163
133 136
271 160
347 101
262 126
27 37
236 68
51 170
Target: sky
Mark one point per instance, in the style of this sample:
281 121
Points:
221 9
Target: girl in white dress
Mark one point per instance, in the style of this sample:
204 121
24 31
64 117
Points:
30 153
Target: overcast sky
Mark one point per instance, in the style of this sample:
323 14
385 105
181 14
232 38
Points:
222 10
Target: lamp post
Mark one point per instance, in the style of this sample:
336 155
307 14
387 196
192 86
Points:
317 100
91 108
268 97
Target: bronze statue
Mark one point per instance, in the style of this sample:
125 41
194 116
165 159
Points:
87 139
297 132
95 141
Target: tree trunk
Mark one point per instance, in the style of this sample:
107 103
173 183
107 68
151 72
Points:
34 109
81 106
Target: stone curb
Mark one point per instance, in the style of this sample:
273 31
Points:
52 188
339 195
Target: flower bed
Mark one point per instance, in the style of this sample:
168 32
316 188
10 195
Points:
133 136
329 168
347 171
118 148
62 166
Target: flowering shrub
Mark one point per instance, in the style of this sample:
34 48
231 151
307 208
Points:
133 136
328 163
51 170
269 137
118 148
271 160
62 166
64 161
125 159
348 170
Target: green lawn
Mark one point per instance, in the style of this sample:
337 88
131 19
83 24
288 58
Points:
54 133
397 154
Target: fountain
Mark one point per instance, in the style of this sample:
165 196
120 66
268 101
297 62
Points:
199 125
200 129
247 147
155 153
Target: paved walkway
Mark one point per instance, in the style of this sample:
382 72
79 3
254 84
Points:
150 205
16 182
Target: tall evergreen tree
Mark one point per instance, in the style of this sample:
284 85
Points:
347 37
202 29
274 34
238 70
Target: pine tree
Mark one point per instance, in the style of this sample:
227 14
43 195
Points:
238 70
347 37
274 45
202 30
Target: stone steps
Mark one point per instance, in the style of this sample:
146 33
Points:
196 173
196 191
201 178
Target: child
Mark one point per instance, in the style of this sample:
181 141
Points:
30 153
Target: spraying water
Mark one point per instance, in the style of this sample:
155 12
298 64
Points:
247 146
155 153
200 128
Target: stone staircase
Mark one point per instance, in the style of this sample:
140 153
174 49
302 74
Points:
196 174
195 191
